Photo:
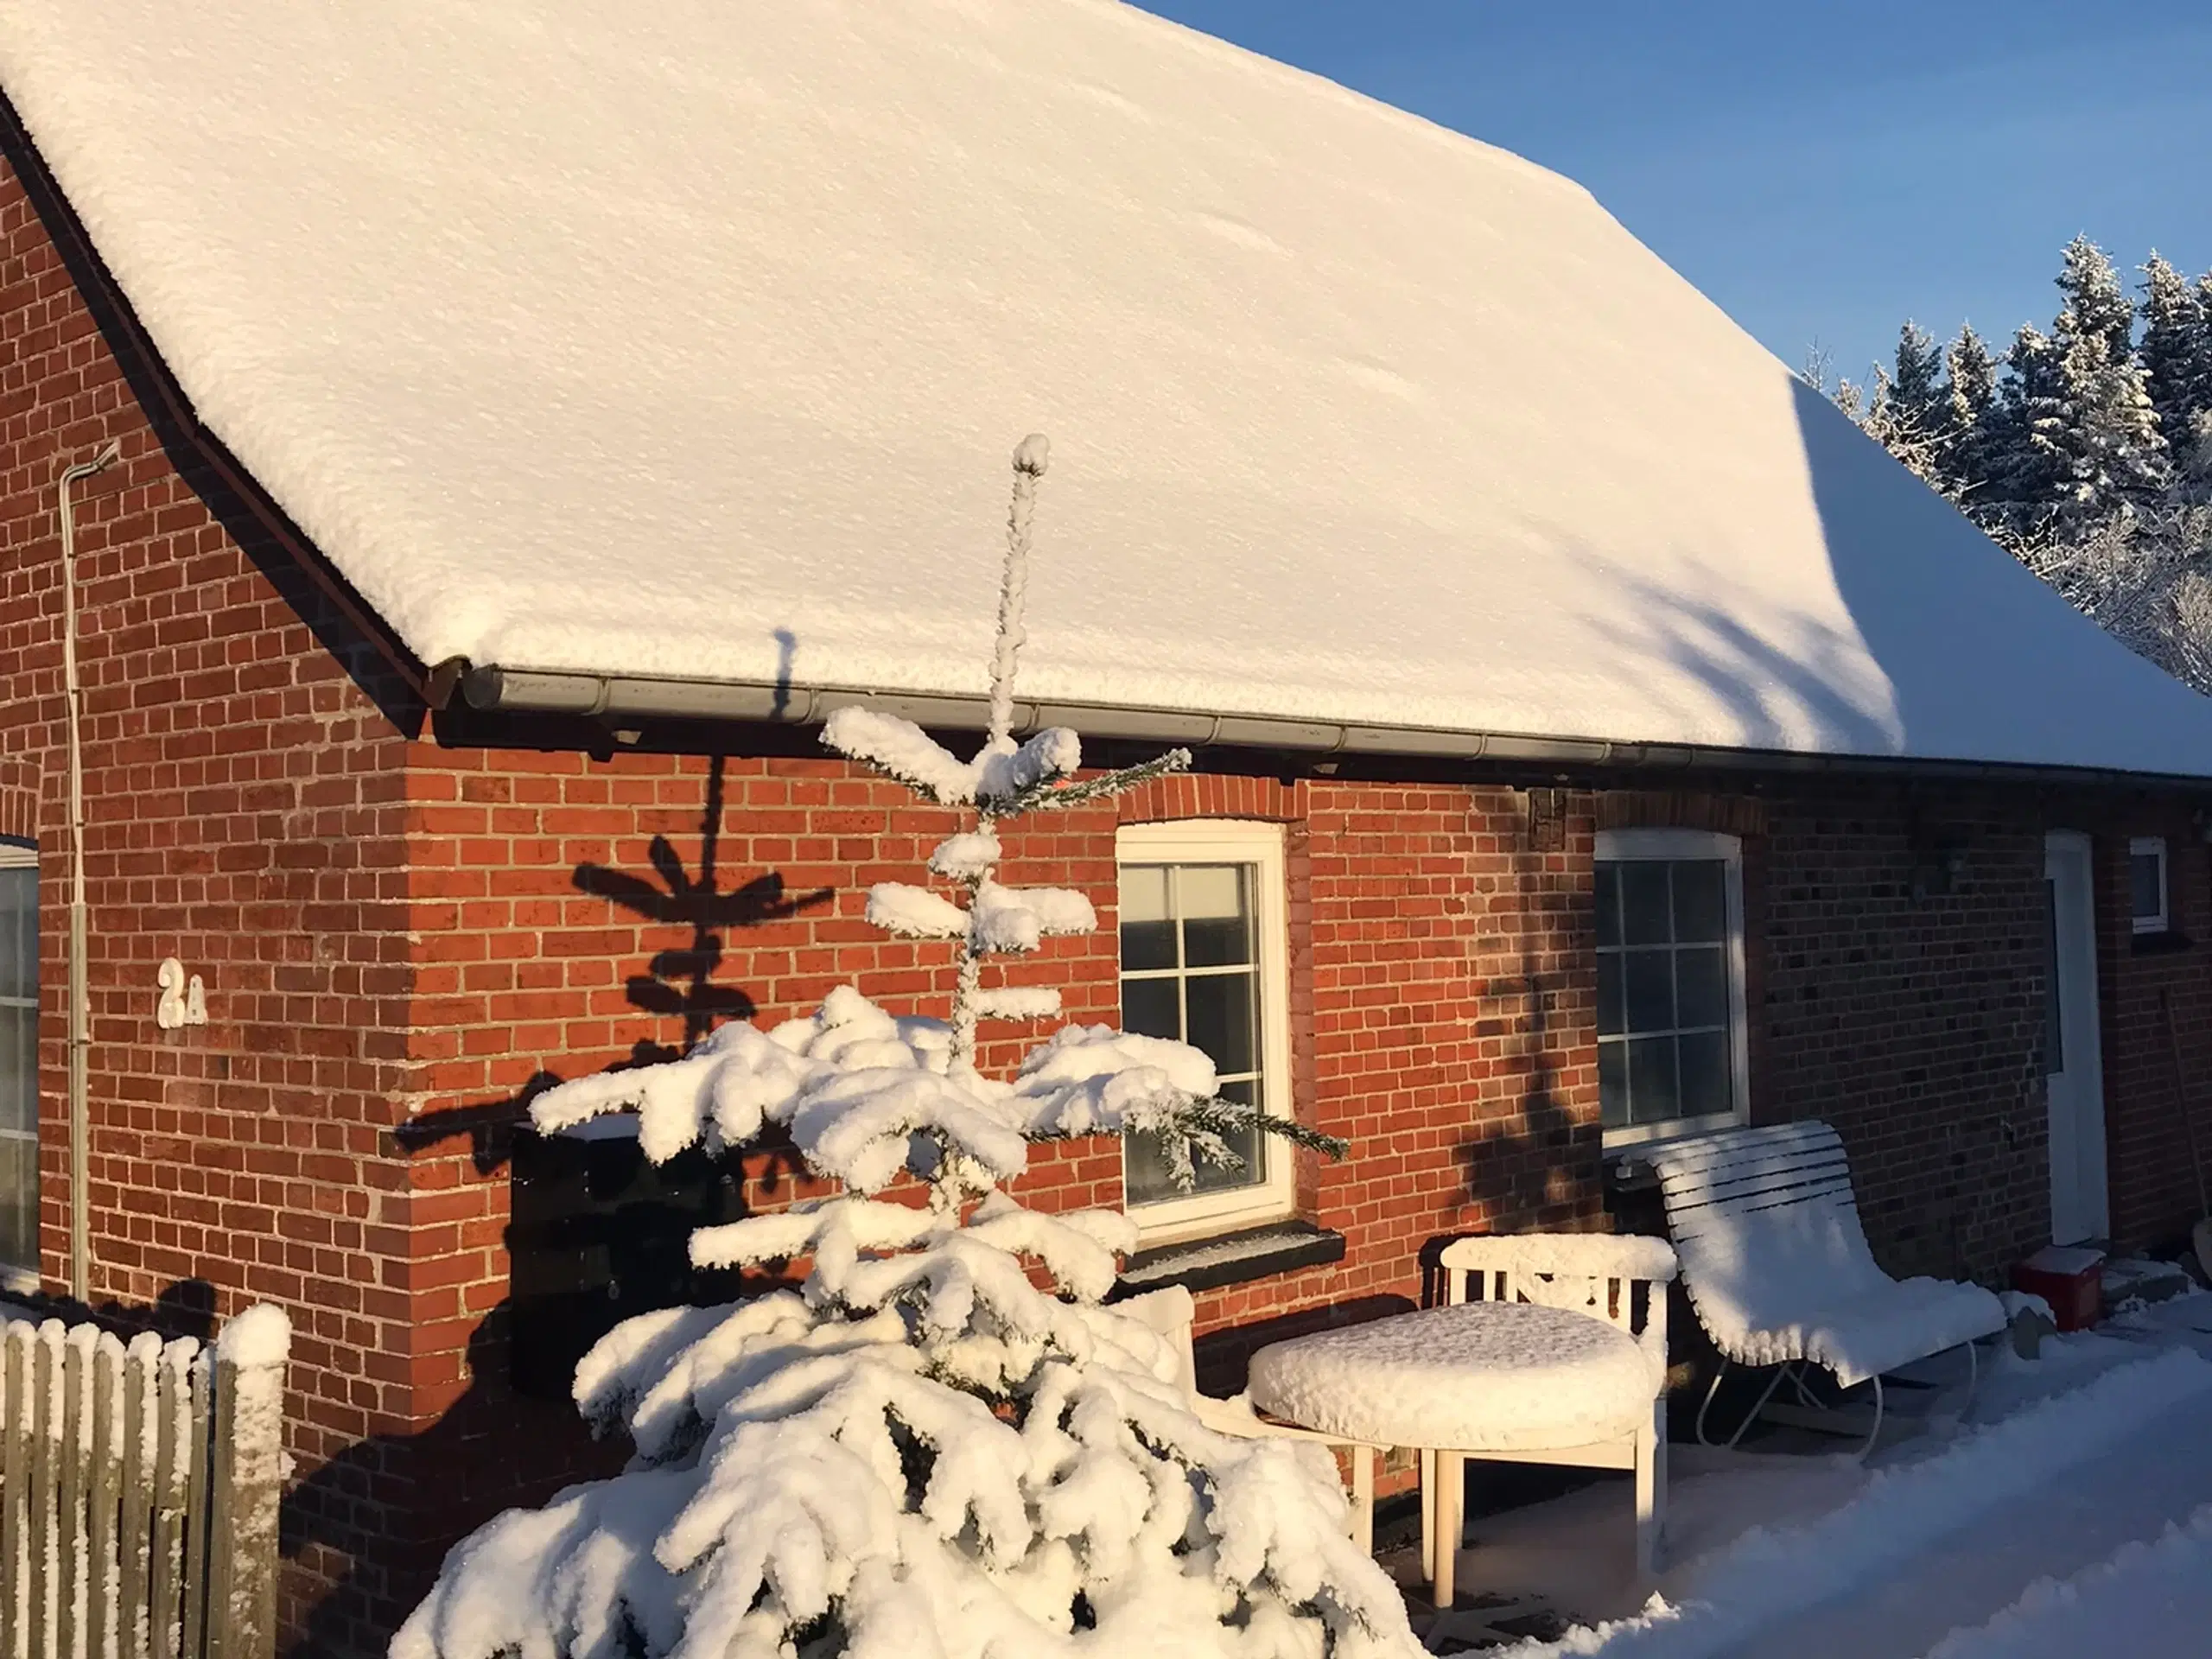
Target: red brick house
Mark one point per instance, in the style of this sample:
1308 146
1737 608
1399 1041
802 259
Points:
526 434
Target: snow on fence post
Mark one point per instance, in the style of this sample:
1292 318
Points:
138 1491
247 1481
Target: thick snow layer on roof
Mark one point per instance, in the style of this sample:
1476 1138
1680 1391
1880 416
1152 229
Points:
692 340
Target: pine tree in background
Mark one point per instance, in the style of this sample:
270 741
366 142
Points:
2107 454
2176 354
1916 387
2086 454
1970 408
2094 305
1907 410
922 1451
2022 448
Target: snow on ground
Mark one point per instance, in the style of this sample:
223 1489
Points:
2070 1504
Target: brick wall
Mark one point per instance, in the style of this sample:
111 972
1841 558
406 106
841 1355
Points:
1905 1006
2154 1189
579 913
241 789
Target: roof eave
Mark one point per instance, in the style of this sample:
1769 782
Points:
613 699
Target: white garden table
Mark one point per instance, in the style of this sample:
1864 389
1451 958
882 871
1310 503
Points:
1496 1379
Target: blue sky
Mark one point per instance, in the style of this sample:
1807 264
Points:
1822 170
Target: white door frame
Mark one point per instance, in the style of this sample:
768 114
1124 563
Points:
2080 1204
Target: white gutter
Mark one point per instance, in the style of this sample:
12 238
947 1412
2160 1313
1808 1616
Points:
80 1042
613 699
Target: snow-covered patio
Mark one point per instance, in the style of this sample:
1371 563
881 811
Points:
2067 1511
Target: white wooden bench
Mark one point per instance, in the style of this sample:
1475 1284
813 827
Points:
1777 1267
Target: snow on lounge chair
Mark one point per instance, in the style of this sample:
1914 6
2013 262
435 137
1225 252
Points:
1776 1266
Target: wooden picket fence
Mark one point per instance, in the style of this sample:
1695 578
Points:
139 1487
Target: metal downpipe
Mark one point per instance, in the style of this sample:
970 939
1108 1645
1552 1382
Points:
80 1042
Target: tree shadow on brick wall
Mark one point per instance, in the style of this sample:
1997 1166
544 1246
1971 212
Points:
1526 1171
364 1535
680 983
596 1234
676 983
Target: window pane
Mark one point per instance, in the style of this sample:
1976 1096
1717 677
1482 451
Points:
1609 995
2054 1022
1612 1084
1701 986
1146 1171
1608 904
1246 1144
1700 900
1643 902
2146 883
18 932
1649 979
1190 934
18 1203
1149 1008
1217 914
1220 1008
1651 1080
1708 1076
19 1069
1148 933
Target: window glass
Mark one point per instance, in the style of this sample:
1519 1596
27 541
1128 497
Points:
2146 884
1191 969
1668 1004
19 1068
2054 1023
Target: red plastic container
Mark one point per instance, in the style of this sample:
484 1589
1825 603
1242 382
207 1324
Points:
2070 1278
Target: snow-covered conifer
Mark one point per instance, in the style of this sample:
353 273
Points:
2101 435
1970 399
916 1452
2177 354
1906 411
2094 304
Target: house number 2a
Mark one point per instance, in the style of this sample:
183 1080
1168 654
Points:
184 1001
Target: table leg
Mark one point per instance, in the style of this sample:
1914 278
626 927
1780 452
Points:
1429 1515
1363 1498
1651 1492
1451 1526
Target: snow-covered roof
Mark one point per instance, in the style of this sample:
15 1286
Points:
691 340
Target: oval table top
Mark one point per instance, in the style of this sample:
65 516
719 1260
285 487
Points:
1473 1376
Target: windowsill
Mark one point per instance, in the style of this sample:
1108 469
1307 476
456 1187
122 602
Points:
1231 1258
1632 1142
1628 1163
2161 944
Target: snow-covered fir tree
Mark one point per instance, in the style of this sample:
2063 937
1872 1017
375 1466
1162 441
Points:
918 1452
2086 451
2106 452
2176 354
1970 407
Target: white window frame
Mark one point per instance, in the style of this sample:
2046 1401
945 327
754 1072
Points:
2160 923
1628 846
1232 841
20 1277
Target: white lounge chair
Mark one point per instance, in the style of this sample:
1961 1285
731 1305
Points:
1777 1267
